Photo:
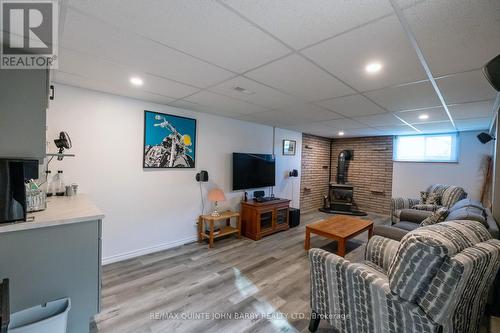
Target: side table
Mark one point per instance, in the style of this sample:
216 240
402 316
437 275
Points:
225 230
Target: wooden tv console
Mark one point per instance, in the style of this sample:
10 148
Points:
259 219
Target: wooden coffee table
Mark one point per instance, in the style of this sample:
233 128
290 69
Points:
339 228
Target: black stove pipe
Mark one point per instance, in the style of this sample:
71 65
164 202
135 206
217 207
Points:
343 164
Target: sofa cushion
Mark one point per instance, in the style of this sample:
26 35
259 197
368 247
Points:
468 213
451 195
405 225
389 232
467 202
436 217
414 215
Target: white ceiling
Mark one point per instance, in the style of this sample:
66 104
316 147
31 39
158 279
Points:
301 62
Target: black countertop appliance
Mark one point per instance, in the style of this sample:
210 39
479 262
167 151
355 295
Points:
13 173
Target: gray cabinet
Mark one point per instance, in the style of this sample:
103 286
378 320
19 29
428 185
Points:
50 263
23 104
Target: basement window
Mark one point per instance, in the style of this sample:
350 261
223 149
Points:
426 148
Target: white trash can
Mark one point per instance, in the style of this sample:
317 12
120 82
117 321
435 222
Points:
49 318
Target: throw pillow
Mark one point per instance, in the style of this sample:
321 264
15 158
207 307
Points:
436 217
423 197
468 213
434 198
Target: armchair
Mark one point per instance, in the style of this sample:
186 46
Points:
435 280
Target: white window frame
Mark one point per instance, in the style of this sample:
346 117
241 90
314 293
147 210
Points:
455 149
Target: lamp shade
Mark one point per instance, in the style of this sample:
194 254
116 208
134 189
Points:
216 194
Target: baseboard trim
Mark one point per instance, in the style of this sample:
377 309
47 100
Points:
146 250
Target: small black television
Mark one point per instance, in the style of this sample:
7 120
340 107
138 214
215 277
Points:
253 171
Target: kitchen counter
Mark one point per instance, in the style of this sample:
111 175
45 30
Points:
56 255
60 210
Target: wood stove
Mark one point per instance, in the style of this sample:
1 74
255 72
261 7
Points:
340 198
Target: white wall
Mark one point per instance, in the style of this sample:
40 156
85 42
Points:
148 210
287 187
411 178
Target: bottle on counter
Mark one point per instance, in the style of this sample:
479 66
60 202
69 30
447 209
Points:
52 189
45 187
59 185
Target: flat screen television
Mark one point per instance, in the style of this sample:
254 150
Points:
253 171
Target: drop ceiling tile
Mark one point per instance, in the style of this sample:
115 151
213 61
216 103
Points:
297 76
465 87
436 127
434 114
222 105
301 23
257 93
351 106
344 124
456 35
324 133
406 97
472 110
473 124
380 120
317 128
205 29
397 130
91 36
116 89
103 71
293 116
384 41
183 104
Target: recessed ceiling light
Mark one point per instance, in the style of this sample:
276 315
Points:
136 81
341 133
373 67
423 116
244 91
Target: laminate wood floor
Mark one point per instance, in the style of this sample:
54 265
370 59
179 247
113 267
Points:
238 286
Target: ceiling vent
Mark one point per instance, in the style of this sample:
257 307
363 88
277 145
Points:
244 91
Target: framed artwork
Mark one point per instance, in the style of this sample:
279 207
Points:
169 141
289 147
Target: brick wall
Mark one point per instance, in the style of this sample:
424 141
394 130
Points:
314 177
370 171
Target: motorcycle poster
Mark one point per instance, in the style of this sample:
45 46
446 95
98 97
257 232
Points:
169 141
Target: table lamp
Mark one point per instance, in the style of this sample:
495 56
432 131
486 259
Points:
215 195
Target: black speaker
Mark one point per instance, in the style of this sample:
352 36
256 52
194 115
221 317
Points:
294 217
484 137
294 173
492 72
202 176
258 194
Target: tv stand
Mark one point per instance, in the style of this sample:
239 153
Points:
265 199
259 219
